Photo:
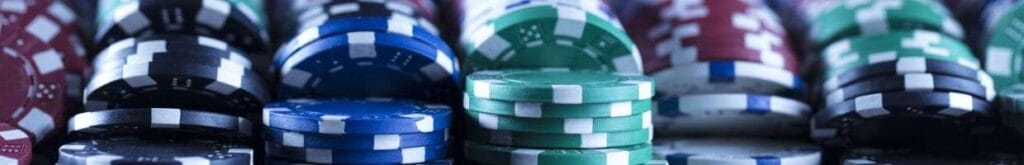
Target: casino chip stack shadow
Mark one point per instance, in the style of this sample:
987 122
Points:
173 83
360 82
728 83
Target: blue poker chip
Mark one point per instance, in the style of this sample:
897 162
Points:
396 24
355 141
369 64
328 156
370 116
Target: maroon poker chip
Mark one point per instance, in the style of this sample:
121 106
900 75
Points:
13 15
710 31
35 88
15 146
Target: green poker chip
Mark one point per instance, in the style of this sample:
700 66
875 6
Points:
490 154
558 140
549 37
560 87
850 53
560 125
551 110
1003 55
881 16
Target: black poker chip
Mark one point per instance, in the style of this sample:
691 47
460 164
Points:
231 90
159 121
170 48
129 150
902 118
910 82
908 65
147 17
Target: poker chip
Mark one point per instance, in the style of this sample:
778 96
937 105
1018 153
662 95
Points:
553 140
490 154
1001 50
550 110
731 114
727 76
126 122
715 31
355 141
228 89
229 20
399 66
369 116
910 82
581 41
560 125
17 145
328 156
879 16
34 100
558 87
873 156
899 117
737 151
846 54
396 24
144 151
908 65
190 49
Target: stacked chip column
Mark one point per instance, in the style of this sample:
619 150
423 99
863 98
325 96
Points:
174 83
360 82
896 75
728 82
552 82
550 117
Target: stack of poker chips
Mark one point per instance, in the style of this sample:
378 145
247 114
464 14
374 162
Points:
728 82
899 78
558 117
364 131
181 91
336 58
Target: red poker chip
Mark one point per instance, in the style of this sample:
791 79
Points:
715 30
15 145
12 15
34 90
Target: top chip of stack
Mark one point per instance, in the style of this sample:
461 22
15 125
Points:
238 22
386 49
532 34
568 117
